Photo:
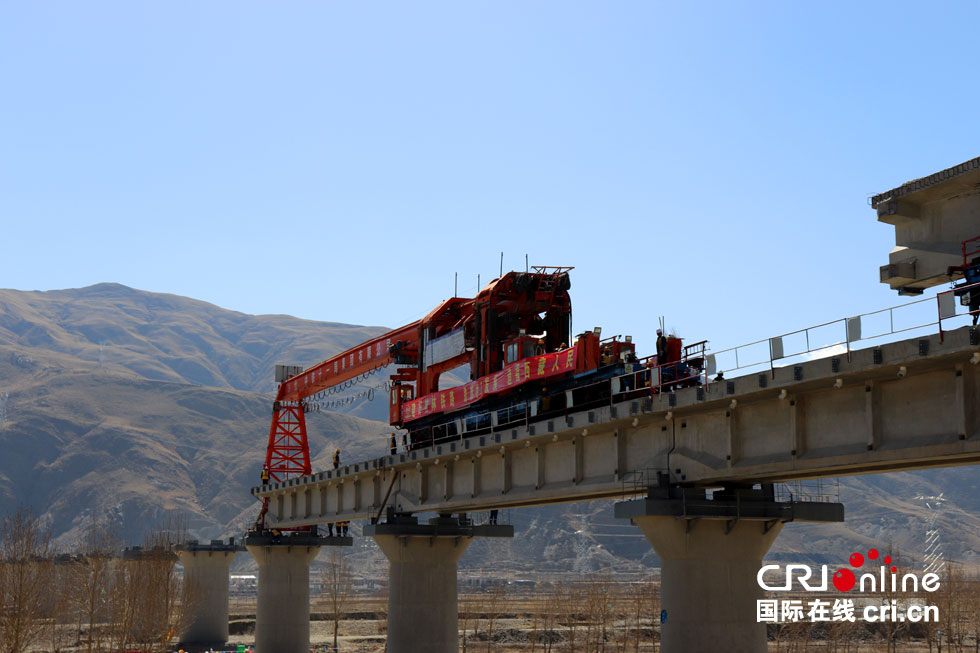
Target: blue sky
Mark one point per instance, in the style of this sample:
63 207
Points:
710 162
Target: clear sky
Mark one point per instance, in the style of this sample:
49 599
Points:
707 161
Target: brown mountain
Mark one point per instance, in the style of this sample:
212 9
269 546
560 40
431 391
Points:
127 404
165 337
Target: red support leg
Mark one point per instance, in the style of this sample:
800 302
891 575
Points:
288 453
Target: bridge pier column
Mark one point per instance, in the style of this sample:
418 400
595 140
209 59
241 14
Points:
423 614
206 574
711 551
282 616
708 583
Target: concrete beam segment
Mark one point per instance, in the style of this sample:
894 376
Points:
206 575
932 216
903 405
423 614
710 557
282 618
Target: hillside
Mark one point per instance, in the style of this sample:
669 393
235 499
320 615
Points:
162 337
89 444
126 406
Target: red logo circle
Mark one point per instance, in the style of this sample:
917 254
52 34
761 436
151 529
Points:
872 554
856 559
844 580
887 560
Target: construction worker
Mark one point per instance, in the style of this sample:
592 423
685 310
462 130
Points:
265 475
330 529
539 348
394 444
661 347
336 459
343 526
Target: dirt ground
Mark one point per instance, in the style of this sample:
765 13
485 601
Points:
514 628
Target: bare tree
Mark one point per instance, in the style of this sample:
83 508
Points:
642 599
63 617
535 620
972 600
569 603
951 607
548 619
337 583
149 604
494 599
466 609
25 581
91 576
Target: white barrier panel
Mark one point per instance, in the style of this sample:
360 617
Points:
776 347
854 329
710 365
947 305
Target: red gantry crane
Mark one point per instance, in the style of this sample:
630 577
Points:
513 337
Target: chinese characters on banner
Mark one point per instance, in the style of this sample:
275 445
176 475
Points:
513 375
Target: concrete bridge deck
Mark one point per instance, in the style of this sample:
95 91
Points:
902 405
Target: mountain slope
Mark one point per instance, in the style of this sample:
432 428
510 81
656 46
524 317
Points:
124 404
84 444
166 337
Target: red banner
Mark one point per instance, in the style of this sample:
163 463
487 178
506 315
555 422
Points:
530 369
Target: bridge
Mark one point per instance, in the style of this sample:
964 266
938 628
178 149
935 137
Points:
695 469
897 406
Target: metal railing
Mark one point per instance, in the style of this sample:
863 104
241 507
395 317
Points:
841 334
637 482
485 518
820 490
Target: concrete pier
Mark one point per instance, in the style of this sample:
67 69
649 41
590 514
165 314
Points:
422 608
711 552
282 617
206 575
